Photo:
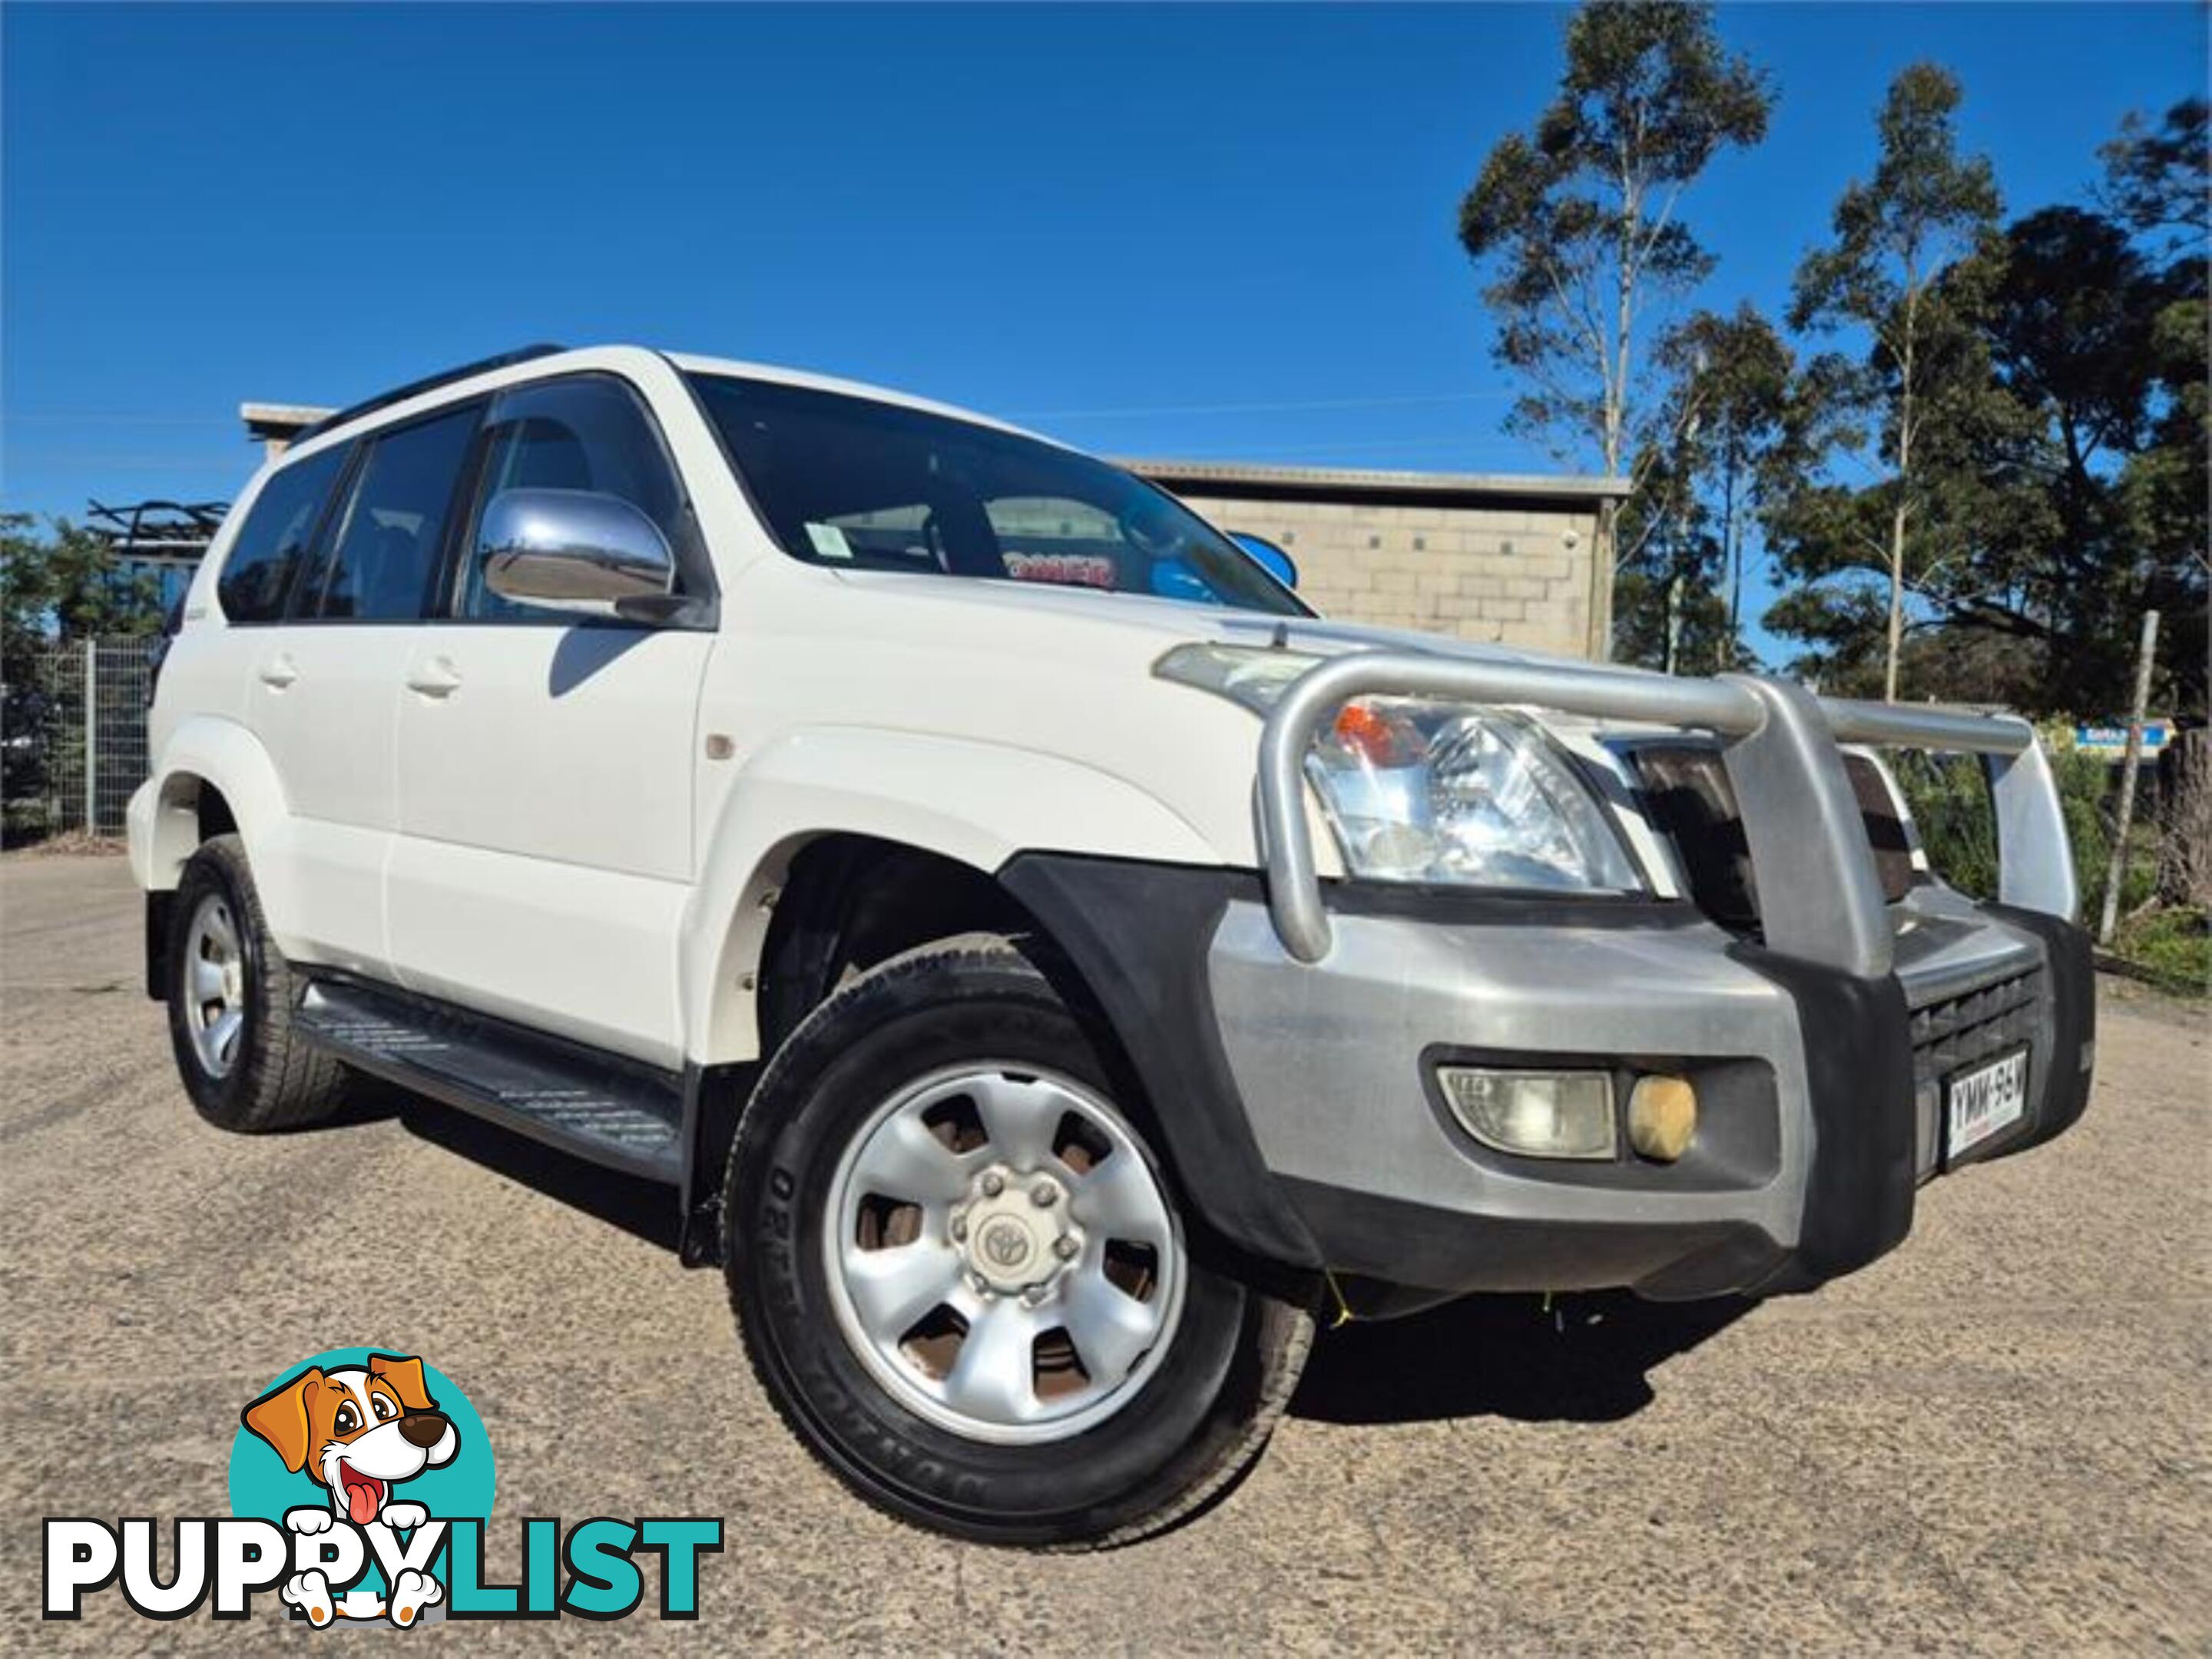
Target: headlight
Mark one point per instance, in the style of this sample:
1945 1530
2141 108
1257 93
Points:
1420 791
1423 791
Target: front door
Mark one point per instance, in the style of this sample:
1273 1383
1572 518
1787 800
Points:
545 855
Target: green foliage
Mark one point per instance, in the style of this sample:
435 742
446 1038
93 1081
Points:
2073 529
1896 236
1681 536
2164 487
57 585
1577 221
2037 402
2160 178
2171 948
1924 205
1650 605
64 582
1948 796
2085 795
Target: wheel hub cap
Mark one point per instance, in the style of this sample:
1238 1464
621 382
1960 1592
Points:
1015 1232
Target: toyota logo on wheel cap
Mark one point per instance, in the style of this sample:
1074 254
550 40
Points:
1006 1244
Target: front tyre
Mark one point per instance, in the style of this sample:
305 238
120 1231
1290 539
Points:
962 1274
232 1001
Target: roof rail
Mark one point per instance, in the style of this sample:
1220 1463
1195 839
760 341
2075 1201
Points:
428 383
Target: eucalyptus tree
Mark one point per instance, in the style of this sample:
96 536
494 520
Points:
2160 178
1732 379
1895 236
1577 223
1723 417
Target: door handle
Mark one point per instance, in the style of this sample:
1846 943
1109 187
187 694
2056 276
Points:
437 677
279 671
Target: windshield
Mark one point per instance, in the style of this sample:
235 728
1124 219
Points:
859 485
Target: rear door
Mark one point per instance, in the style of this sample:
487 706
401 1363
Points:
546 762
323 675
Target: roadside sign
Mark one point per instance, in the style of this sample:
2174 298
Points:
2108 739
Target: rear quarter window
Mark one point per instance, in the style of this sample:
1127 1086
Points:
277 538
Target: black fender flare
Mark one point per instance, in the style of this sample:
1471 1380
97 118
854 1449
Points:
1137 935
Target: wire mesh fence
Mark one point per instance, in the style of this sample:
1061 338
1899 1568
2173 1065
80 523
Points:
74 746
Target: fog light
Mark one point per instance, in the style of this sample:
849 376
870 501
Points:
1535 1114
1662 1117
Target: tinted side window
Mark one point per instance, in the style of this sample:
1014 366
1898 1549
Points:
273 542
387 548
586 433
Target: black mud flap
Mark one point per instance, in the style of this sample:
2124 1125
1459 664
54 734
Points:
158 906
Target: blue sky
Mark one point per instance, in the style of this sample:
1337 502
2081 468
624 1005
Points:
1222 232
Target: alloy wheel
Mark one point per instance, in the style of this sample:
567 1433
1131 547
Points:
1002 1255
214 986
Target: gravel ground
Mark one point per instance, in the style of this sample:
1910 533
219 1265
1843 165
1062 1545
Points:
1996 1439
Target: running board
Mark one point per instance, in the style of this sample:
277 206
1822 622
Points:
604 1109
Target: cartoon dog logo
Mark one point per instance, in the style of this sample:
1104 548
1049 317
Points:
359 1430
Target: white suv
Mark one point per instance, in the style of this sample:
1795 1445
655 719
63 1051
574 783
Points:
1046 963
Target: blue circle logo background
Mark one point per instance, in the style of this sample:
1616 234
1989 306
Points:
261 1485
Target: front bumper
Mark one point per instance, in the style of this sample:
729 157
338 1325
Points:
1295 1106
1820 1089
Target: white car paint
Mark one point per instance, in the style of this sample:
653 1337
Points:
318 699
545 820
590 853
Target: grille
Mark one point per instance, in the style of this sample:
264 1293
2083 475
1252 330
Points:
1688 799
1975 1026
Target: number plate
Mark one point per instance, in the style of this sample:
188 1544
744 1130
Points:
1977 1103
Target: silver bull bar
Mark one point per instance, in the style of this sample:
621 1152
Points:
1800 816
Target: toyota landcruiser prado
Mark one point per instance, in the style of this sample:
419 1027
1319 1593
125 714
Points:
1046 963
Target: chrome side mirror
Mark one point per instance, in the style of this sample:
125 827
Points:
573 550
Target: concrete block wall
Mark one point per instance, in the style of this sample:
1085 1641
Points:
1517 577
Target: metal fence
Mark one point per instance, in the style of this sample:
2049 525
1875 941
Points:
74 742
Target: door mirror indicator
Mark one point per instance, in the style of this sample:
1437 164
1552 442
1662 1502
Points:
576 551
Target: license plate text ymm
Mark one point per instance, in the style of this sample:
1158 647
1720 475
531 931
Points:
1986 1100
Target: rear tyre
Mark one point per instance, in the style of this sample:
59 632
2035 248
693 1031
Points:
232 1000
960 1273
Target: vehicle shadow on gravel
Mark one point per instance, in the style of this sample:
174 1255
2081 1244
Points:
1587 1358
644 1209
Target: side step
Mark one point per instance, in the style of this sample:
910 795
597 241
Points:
607 1111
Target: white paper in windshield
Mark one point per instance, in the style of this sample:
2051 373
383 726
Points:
828 541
